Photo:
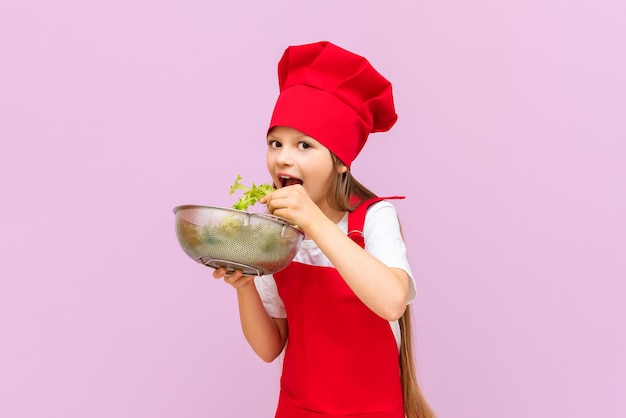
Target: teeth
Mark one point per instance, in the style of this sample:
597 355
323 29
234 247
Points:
284 180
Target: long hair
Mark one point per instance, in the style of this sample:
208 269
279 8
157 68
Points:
345 191
346 194
415 405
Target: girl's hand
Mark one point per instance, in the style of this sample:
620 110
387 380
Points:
236 279
294 204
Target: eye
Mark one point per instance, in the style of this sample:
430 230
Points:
272 143
304 145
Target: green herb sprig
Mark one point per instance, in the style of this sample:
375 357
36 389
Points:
251 194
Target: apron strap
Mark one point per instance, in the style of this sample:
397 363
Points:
356 218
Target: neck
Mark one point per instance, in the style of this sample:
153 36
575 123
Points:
334 214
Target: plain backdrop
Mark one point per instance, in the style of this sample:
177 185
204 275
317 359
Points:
510 148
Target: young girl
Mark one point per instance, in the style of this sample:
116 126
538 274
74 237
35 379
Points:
339 310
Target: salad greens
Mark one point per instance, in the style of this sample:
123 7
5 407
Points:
244 238
251 194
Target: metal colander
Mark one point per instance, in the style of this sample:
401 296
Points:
255 243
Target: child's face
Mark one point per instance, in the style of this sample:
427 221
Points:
295 158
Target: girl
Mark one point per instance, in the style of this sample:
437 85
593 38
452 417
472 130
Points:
339 310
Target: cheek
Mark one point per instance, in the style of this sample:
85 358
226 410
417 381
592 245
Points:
268 161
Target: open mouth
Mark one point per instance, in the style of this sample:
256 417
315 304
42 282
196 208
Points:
288 181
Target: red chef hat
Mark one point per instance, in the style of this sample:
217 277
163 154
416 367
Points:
334 96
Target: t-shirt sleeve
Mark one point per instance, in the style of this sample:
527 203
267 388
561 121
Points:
383 239
266 286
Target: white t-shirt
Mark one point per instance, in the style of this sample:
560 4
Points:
383 240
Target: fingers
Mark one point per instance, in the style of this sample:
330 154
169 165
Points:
219 273
285 200
286 195
236 278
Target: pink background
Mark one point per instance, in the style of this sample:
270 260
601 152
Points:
511 148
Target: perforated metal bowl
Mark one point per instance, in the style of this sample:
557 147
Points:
255 243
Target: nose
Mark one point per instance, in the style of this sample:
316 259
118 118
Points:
284 157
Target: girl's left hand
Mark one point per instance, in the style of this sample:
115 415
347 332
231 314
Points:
294 204
236 279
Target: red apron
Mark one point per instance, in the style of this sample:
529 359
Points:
341 358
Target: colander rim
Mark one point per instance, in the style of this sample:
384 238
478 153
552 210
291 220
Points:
267 216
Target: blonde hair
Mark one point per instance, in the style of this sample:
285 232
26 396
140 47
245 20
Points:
345 194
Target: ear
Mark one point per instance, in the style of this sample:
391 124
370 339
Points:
342 169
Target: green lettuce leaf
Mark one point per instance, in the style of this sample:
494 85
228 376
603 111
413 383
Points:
251 195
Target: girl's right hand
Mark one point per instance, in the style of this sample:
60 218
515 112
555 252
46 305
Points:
236 279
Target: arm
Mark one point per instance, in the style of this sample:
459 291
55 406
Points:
383 289
266 335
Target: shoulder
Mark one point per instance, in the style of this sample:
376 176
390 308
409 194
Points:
381 212
384 206
381 223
